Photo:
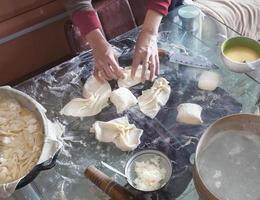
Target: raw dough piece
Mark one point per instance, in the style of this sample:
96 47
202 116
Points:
123 99
125 136
151 100
208 80
189 113
128 82
96 98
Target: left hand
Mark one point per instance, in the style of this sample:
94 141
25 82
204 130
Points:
105 63
146 53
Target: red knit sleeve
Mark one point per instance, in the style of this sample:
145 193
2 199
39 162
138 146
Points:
160 6
86 21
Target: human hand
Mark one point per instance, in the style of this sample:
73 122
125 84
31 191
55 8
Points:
146 53
105 63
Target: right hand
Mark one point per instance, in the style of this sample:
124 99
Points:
105 63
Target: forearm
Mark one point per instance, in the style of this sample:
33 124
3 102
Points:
83 15
152 22
95 37
156 9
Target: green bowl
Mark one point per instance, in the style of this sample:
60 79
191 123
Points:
238 66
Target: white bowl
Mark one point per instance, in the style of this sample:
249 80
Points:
238 66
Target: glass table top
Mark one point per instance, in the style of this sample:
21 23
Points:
54 88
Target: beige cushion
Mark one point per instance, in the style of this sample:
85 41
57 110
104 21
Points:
241 15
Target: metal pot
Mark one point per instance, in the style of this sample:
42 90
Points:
247 122
51 144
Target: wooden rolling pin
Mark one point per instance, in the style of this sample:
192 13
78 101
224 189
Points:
109 186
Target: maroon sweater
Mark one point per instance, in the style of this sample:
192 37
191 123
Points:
87 20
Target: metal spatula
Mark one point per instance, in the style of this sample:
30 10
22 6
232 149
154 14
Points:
200 62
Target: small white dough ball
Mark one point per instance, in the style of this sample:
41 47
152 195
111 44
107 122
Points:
123 99
208 80
189 113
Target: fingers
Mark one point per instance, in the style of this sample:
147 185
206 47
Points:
152 66
102 71
144 67
148 61
135 64
157 65
104 75
106 65
108 72
97 75
117 70
116 58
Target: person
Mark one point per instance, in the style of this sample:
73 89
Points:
106 66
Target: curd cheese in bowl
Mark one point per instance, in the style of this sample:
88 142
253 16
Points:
149 174
148 170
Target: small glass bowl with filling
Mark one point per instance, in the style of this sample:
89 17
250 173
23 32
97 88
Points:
148 170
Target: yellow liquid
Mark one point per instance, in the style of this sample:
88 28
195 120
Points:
242 54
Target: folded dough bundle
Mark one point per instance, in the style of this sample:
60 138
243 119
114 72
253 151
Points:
96 98
151 100
119 131
123 99
189 113
128 82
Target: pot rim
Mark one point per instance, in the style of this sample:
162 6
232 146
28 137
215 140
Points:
199 146
40 114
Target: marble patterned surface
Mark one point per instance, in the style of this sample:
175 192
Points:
178 141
